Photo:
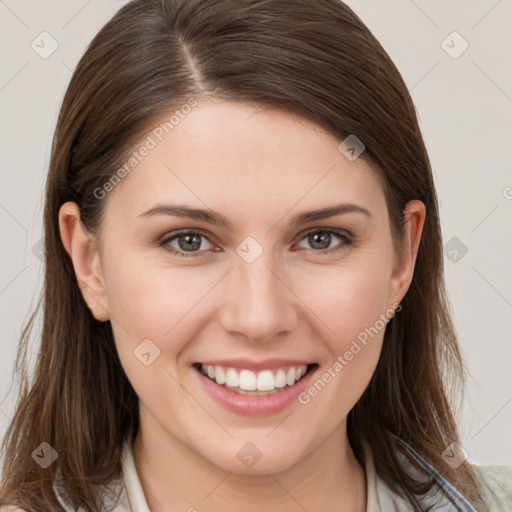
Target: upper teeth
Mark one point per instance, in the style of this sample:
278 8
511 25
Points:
266 380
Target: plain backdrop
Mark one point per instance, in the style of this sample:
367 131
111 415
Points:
461 84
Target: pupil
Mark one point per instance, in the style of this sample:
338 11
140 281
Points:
192 242
324 239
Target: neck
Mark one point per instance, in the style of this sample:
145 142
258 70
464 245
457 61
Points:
174 477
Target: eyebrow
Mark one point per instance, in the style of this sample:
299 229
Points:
217 219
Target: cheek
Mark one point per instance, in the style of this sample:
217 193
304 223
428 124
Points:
162 305
352 304
347 299
156 302
353 353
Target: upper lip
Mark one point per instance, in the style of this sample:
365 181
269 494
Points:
249 364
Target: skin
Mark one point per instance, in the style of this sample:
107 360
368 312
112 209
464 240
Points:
259 168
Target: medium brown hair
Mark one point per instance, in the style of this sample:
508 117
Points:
316 59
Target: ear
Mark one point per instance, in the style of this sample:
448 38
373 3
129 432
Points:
82 249
403 269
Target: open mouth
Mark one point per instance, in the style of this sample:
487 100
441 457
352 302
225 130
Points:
256 383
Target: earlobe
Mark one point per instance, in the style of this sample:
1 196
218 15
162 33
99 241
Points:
82 249
403 271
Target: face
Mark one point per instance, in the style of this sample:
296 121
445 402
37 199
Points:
251 290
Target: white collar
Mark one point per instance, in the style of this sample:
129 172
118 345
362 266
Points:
131 480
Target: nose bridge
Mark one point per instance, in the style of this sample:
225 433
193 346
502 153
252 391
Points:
259 304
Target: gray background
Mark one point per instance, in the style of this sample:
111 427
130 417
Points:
464 104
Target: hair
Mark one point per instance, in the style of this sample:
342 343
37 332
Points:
318 61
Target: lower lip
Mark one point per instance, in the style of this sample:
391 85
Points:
255 405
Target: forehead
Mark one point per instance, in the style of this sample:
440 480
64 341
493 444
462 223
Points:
243 159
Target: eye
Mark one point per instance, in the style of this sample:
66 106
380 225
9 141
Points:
191 243
186 243
321 240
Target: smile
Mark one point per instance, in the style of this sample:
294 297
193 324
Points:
248 382
254 388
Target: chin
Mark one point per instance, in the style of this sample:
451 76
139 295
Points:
255 458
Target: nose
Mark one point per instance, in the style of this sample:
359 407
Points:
260 304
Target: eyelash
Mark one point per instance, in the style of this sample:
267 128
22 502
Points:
347 241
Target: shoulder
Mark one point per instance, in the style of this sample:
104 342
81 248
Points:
497 486
10 508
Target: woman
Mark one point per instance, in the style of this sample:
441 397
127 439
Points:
244 304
